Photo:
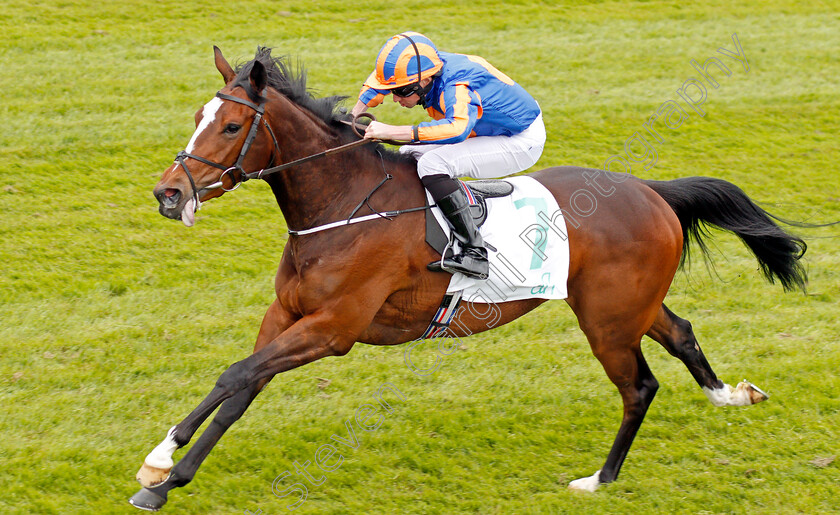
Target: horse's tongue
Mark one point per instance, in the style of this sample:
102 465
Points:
188 213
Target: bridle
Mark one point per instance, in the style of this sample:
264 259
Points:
259 111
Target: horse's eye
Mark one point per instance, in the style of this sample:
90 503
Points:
232 128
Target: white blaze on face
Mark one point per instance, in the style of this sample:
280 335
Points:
207 117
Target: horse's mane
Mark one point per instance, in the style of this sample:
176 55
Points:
291 82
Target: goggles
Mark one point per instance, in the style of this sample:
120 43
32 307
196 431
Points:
408 90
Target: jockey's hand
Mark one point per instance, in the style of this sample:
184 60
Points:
379 130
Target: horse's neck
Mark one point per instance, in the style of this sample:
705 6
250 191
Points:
329 188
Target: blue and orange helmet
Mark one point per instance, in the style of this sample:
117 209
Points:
405 59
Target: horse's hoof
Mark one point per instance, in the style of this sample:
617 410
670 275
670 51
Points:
147 500
150 476
753 392
744 394
587 484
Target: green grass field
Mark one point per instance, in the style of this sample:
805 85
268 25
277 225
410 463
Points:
115 322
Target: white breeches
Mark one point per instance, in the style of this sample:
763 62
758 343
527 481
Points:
481 157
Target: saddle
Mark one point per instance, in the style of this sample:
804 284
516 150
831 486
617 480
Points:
477 192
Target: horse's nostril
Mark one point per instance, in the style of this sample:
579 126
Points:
169 197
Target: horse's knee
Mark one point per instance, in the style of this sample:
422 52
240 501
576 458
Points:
233 408
236 378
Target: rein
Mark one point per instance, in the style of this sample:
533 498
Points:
261 174
337 150
329 152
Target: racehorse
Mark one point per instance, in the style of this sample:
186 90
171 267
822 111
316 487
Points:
368 282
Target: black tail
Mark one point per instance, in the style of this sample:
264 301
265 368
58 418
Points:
700 201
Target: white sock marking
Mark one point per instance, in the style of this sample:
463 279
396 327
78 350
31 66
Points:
728 396
589 484
719 396
161 456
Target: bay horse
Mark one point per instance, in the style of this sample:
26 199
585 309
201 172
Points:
368 282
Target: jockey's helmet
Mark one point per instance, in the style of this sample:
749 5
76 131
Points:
404 60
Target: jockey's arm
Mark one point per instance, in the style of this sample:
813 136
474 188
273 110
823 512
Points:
359 108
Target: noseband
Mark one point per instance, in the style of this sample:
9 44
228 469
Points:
228 170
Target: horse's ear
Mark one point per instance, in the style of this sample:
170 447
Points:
259 77
222 65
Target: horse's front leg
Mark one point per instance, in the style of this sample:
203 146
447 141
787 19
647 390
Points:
309 339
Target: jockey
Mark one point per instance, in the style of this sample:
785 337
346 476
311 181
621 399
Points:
485 126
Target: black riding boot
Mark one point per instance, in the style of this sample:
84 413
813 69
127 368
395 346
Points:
472 261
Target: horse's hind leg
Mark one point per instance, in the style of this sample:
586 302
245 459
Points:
676 335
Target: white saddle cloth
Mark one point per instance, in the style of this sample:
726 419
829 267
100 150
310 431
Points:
531 259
